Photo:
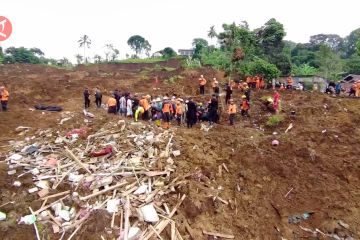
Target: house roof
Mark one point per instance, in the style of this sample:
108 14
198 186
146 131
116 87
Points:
188 50
351 78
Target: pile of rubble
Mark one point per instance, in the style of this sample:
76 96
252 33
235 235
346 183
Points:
124 169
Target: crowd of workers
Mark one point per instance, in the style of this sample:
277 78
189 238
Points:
187 111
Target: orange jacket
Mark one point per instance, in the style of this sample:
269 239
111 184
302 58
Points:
144 103
167 108
202 81
4 95
245 105
111 102
232 108
179 109
290 81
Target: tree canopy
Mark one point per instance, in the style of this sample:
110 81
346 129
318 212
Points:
139 44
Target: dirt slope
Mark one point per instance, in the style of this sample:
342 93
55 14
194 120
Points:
323 169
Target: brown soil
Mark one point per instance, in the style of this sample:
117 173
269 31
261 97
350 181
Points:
322 168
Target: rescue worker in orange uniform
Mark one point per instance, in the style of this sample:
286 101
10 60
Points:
167 110
262 83
4 97
111 105
257 82
202 83
245 106
144 103
215 86
179 110
232 112
290 82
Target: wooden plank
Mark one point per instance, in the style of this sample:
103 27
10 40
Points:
73 157
104 191
221 235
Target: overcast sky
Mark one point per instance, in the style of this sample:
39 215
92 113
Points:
55 26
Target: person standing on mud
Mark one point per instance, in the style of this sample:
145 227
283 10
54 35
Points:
123 105
167 110
202 83
213 108
228 91
191 113
98 97
232 111
247 92
4 96
129 107
117 98
215 86
112 104
86 98
245 106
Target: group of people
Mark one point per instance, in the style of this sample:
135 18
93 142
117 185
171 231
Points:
167 108
4 98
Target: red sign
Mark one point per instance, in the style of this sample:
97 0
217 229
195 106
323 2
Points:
5 28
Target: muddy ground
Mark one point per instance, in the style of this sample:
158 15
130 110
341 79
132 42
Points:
323 169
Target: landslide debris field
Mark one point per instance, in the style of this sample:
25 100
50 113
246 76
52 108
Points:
227 180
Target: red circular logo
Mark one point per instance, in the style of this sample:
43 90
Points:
5 28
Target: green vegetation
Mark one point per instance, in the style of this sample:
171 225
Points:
261 51
274 120
304 70
140 60
139 45
191 63
168 53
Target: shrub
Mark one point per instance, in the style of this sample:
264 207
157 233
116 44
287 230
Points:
274 120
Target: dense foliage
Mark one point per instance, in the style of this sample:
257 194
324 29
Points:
264 51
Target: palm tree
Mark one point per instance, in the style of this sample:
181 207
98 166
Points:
84 42
212 33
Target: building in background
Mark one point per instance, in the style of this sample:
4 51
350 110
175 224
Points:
186 52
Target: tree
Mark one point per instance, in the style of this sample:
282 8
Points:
108 49
212 33
115 54
37 51
270 37
79 58
21 55
352 65
64 62
168 52
304 54
199 44
333 41
350 43
358 47
84 42
97 58
330 63
138 44
263 68
147 48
